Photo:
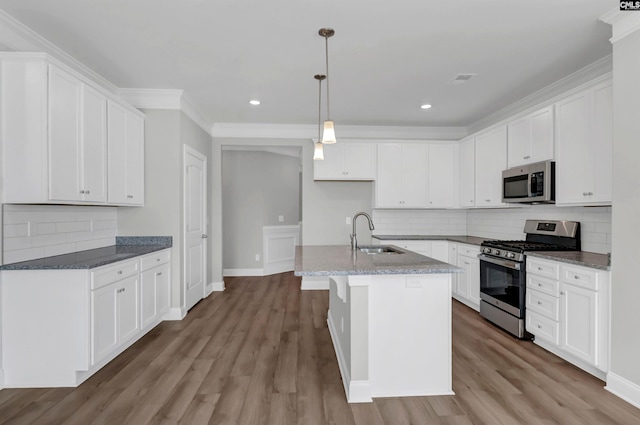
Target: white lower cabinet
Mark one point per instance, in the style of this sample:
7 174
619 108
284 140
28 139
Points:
468 282
567 311
155 288
80 318
114 316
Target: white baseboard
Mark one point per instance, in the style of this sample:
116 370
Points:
357 391
243 272
314 283
175 313
623 388
1 379
214 287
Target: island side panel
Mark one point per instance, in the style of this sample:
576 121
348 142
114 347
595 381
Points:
410 335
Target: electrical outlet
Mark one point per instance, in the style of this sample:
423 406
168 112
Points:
348 220
257 257
281 218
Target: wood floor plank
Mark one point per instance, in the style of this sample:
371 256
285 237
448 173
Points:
260 353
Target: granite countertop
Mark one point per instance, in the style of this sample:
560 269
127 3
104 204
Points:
340 260
471 240
124 249
579 258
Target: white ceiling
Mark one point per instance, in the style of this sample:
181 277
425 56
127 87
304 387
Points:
386 58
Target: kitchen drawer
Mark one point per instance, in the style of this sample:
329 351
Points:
542 303
154 259
542 284
579 276
112 273
468 250
543 267
543 327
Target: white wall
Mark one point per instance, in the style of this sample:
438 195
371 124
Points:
37 231
625 281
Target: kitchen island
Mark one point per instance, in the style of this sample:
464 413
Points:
389 319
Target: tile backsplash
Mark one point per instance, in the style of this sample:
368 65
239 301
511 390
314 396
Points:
419 222
508 223
36 231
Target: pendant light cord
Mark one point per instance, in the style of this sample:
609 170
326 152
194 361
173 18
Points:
319 108
326 50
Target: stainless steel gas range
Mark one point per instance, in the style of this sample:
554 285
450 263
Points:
503 265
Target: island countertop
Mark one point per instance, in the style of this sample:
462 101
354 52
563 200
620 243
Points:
340 260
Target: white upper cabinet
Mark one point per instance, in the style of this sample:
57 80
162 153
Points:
54 137
402 175
584 137
77 140
443 175
126 156
530 138
346 161
467 164
491 160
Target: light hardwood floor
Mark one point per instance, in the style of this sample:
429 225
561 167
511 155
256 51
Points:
260 353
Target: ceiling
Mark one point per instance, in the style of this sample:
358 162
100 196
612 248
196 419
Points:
386 58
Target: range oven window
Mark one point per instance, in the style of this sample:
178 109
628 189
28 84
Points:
516 186
503 284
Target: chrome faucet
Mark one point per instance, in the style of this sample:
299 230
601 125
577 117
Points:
354 240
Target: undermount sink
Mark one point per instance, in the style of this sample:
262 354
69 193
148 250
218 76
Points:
379 249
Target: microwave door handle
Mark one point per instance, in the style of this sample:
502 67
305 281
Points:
532 178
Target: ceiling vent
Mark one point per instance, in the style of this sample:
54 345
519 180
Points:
462 78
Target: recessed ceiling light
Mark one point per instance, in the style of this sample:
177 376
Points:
425 106
254 102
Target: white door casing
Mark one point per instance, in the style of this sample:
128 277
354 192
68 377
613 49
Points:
194 225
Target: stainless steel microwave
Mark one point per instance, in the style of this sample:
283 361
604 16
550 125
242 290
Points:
530 184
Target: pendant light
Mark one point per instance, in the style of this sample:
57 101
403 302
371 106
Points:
329 134
318 152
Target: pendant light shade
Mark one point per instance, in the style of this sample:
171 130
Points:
329 134
318 152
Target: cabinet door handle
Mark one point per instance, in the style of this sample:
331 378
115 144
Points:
129 196
86 192
526 157
82 192
561 293
204 236
159 274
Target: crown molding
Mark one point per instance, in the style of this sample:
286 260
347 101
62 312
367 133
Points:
17 37
166 99
623 23
294 131
599 69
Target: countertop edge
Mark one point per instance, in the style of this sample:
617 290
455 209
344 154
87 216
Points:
135 250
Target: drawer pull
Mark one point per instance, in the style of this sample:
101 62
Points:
539 327
119 271
157 259
540 285
539 303
576 277
540 268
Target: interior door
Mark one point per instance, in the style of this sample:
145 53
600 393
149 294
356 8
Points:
195 232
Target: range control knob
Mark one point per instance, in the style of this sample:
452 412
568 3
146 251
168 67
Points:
512 255
487 250
497 252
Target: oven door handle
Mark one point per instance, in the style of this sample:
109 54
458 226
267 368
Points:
506 263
